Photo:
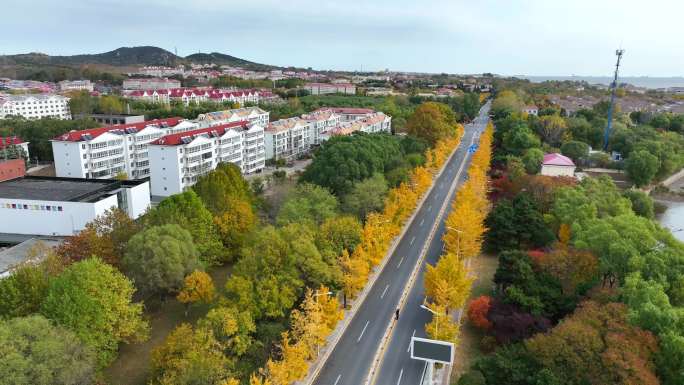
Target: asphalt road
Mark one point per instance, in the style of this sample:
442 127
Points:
349 363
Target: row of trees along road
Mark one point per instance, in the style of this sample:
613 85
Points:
447 284
587 286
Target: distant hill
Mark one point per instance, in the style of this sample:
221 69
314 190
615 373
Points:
124 57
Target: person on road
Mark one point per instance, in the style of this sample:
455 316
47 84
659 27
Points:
396 314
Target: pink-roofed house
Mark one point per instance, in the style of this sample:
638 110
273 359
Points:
557 165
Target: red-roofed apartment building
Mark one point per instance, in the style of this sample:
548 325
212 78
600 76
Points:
104 152
178 160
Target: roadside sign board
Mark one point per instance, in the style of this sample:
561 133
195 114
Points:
432 350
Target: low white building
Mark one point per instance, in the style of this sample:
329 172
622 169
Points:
178 160
330 88
104 152
150 84
557 165
35 106
63 206
531 110
376 122
75 85
321 122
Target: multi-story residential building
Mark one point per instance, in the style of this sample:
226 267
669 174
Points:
374 123
253 115
150 84
35 106
321 122
189 96
75 85
105 152
288 138
349 114
330 88
178 160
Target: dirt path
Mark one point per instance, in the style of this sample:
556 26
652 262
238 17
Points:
468 348
133 364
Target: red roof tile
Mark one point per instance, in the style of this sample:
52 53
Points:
6 141
77 136
175 139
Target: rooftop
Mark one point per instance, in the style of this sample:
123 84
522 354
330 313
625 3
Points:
61 189
557 159
187 136
6 141
92 133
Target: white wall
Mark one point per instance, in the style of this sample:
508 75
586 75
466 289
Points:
138 199
71 219
552 170
165 170
69 159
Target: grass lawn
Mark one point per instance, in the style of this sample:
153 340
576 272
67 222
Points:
133 364
468 348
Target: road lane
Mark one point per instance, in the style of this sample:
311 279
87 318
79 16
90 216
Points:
412 323
349 362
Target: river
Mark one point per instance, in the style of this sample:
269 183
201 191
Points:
673 219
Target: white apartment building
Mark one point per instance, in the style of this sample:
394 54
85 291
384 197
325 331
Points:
330 88
75 85
104 152
321 122
152 96
349 114
63 206
35 106
178 160
288 138
150 84
374 123
254 115
189 96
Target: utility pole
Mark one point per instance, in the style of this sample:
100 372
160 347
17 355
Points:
609 126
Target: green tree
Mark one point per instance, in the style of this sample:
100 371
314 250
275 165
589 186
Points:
192 357
641 167
231 327
307 203
575 150
532 159
94 300
517 223
158 259
432 121
188 211
220 188
36 352
517 141
642 204
343 160
366 196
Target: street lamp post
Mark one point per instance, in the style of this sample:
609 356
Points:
437 315
458 240
316 295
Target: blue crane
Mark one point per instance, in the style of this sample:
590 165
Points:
613 86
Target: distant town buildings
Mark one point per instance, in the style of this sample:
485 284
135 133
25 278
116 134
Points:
75 85
189 96
150 84
531 110
178 160
63 206
330 88
35 106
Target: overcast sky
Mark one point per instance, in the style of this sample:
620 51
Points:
534 37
